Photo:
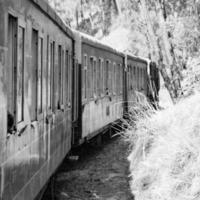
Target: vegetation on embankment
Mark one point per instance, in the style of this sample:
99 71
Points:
165 156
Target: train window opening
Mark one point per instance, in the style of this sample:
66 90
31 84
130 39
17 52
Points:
118 79
114 78
110 78
12 52
59 77
52 75
39 76
102 77
20 75
84 80
136 70
137 78
48 76
91 76
121 78
16 51
140 78
34 91
69 79
66 76
139 75
128 77
99 78
134 77
63 78
107 76
95 77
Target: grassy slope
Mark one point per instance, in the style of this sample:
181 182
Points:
165 157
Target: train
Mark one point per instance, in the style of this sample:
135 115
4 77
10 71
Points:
59 88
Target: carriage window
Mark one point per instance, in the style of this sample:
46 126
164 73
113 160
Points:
52 75
90 77
121 77
142 76
137 78
134 76
63 78
95 77
99 78
84 83
66 76
48 76
69 78
59 77
110 77
20 76
102 76
106 76
34 91
141 79
118 79
39 74
12 86
16 44
114 78
130 77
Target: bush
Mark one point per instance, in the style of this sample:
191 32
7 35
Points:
165 156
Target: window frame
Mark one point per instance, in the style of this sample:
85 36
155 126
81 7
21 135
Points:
41 64
102 77
20 22
115 79
59 102
121 78
90 78
84 77
106 77
94 77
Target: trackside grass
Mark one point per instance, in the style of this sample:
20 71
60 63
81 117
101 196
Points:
165 151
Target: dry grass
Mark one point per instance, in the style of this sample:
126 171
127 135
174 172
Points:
165 157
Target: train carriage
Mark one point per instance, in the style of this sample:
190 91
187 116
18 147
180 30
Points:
101 87
36 58
137 78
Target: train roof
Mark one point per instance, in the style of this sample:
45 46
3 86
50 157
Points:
48 10
90 40
137 58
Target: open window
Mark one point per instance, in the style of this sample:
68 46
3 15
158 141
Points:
40 77
91 77
16 51
60 77
84 78
106 77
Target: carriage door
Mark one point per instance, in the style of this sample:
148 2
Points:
76 102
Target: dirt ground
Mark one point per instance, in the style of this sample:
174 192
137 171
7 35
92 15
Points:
100 173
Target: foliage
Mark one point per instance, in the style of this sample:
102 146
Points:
166 31
165 157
